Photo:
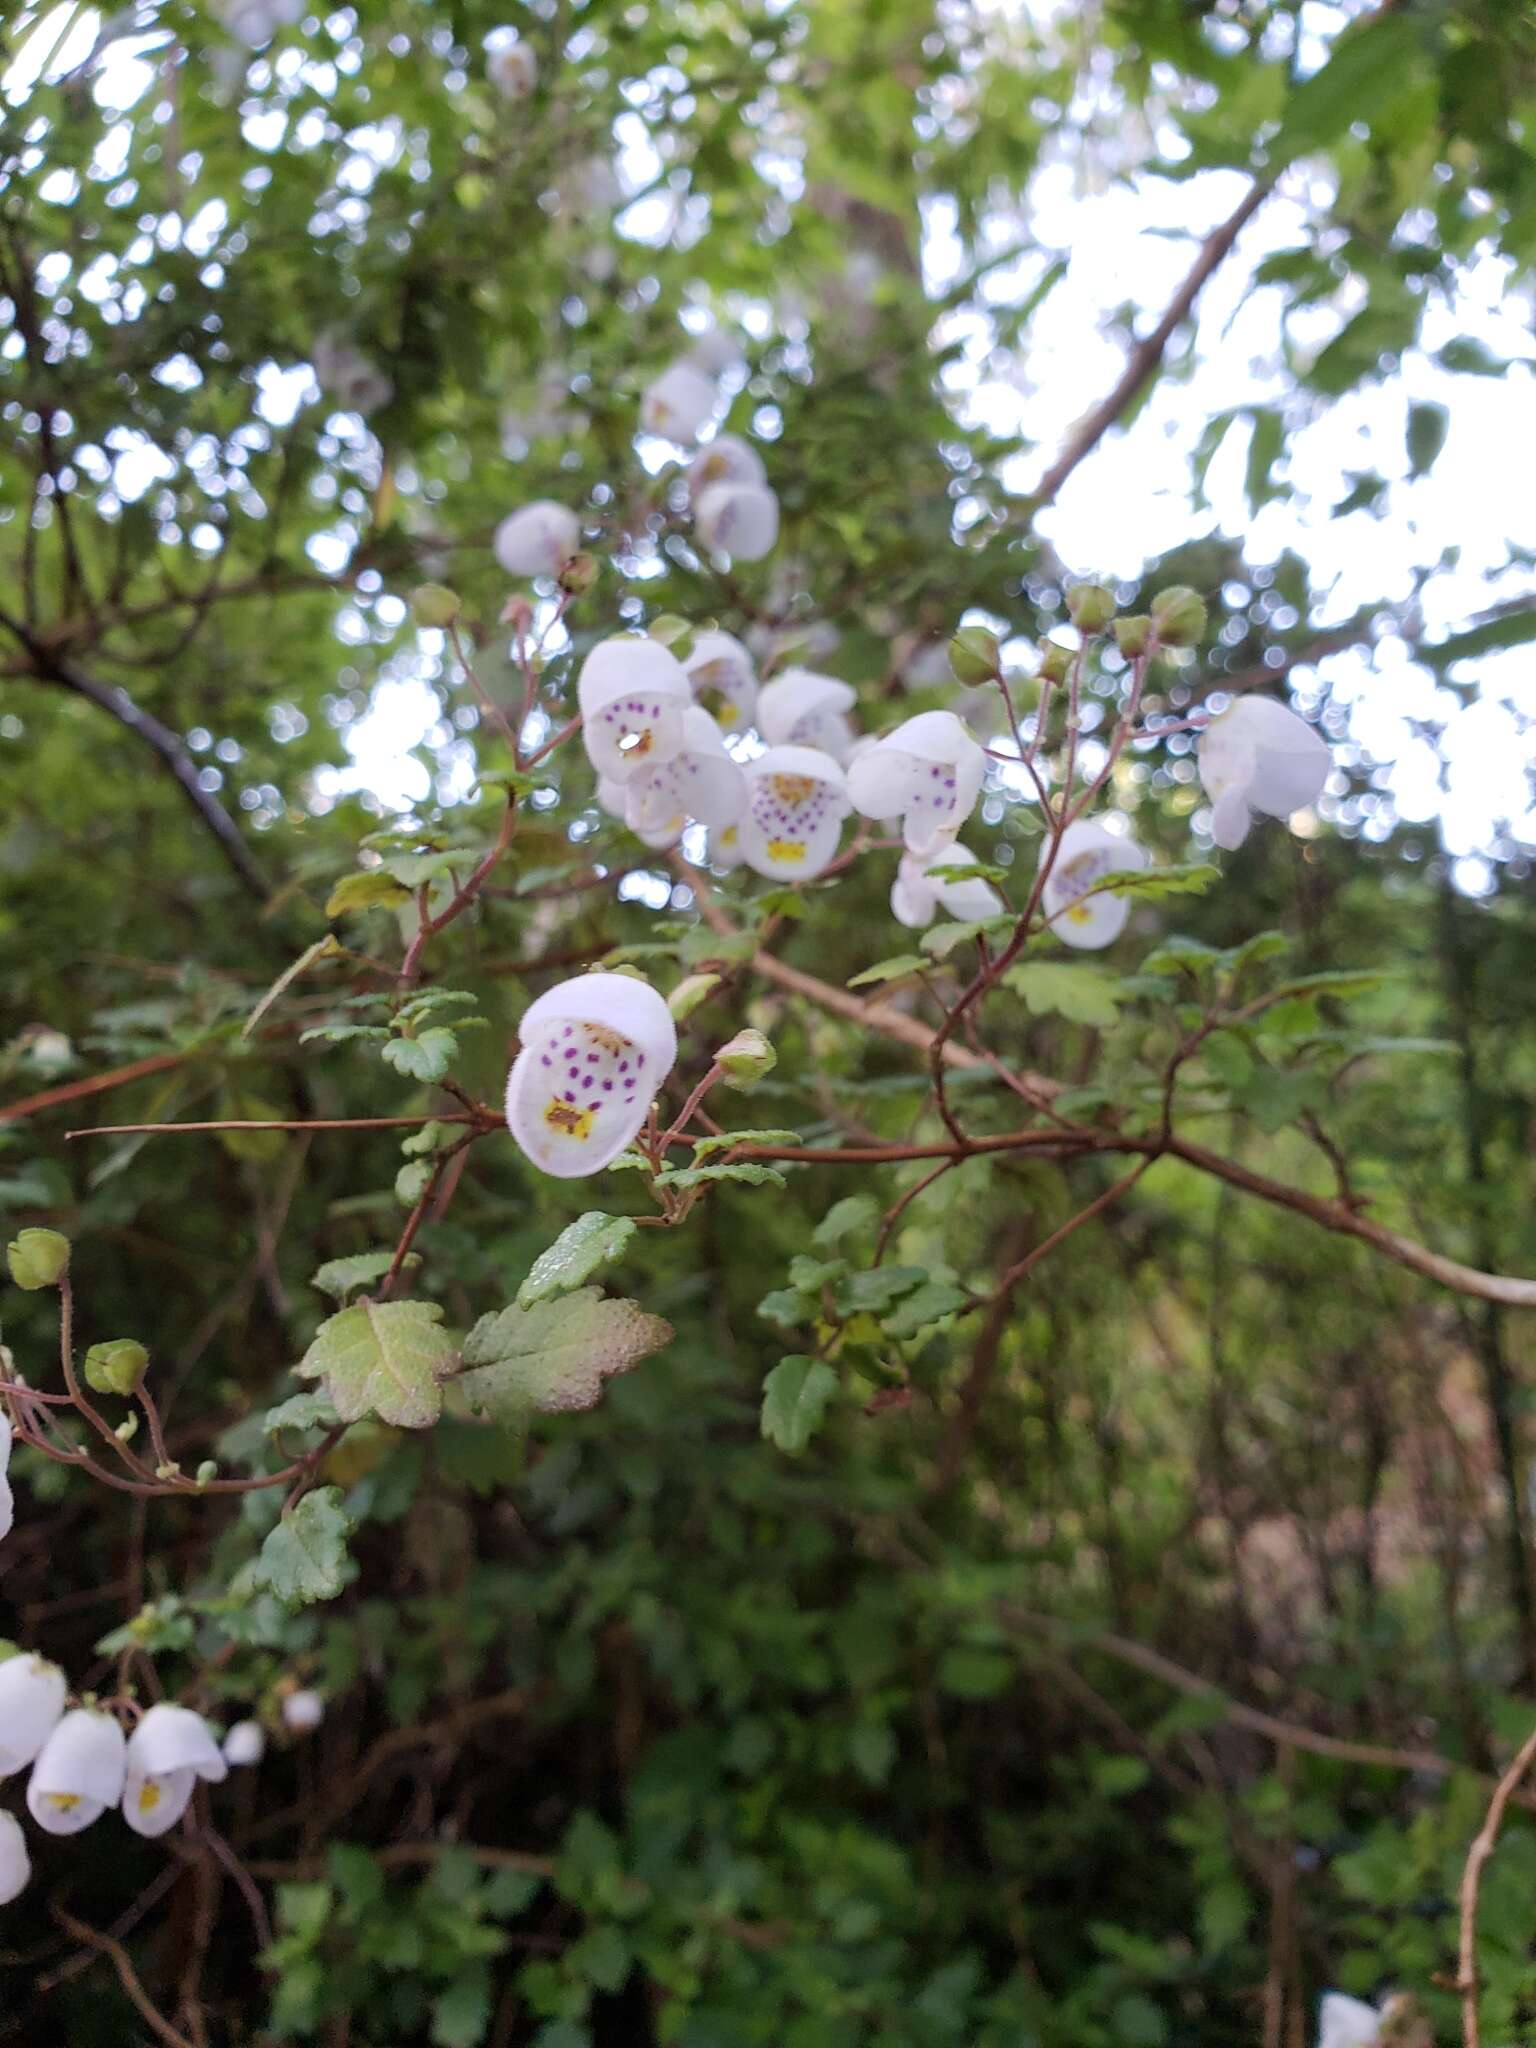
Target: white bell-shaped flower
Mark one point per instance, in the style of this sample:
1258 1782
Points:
633 693
32 1694
79 1772
918 894
303 1711
345 374
739 520
1086 854
803 709
255 22
701 781
537 539
679 404
727 459
7 1498
15 1863
927 773
245 1744
167 1753
1258 755
715 351
595 1050
1344 2022
797 800
513 69
723 679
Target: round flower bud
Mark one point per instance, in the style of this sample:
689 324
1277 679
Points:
434 604
245 1744
578 575
37 1258
513 70
303 1710
115 1367
974 655
1133 634
1178 616
746 1058
537 539
1090 606
1055 661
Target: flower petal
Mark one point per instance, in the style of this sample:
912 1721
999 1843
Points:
723 679
78 1774
15 1863
32 1694
740 520
632 694
153 1802
797 801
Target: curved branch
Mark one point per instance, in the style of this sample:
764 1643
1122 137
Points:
1471 1883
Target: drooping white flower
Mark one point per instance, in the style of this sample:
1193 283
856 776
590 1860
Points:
797 799
633 693
927 773
245 1744
32 1694
1258 755
714 352
303 1710
701 782
679 404
7 1498
727 459
803 709
513 69
594 1052
537 539
15 1863
79 1772
255 22
740 520
723 679
918 895
345 374
1086 854
1344 2022
167 1753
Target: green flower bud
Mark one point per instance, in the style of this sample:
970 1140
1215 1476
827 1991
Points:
1055 662
1178 616
434 604
974 655
746 1059
692 990
206 1471
127 1429
578 575
115 1367
1133 635
37 1258
1090 607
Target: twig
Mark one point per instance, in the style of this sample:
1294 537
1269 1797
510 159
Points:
127 1976
1471 1882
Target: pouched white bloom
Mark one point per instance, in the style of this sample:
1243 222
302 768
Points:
594 1052
724 680
927 773
245 1744
1087 854
725 460
537 539
32 1693
679 404
513 69
918 895
1259 756
701 782
79 1772
167 1753
714 352
345 374
15 1863
255 22
797 800
633 693
303 1710
740 520
7 1498
725 849
1344 2022
803 709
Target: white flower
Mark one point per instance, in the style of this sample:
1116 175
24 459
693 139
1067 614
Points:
346 375
714 352
32 1695
537 539
1344 2022
679 403
303 1710
78 1774
723 678
740 520
246 1743
15 1863
1259 756
595 1050
255 22
1086 854
927 773
7 1499
727 459
513 69
167 1753
917 894
797 800
700 781
633 693
803 709
725 850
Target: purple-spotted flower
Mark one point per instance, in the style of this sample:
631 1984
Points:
633 693
797 800
595 1050
803 709
927 773
739 520
167 1753
701 782
1085 855
723 679
727 459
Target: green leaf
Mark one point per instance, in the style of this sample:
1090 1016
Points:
427 1058
339 1277
370 889
795 1398
1471 358
1187 878
412 1182
1427 427
387 1359
940 940
462 2013
410 870
877 1288
1264 446
750 1172
1083 994
593 1240
304 1557
1365 73
556 1355
1510 629
888 970
722 1141
853 1212
924 1307
300 1411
